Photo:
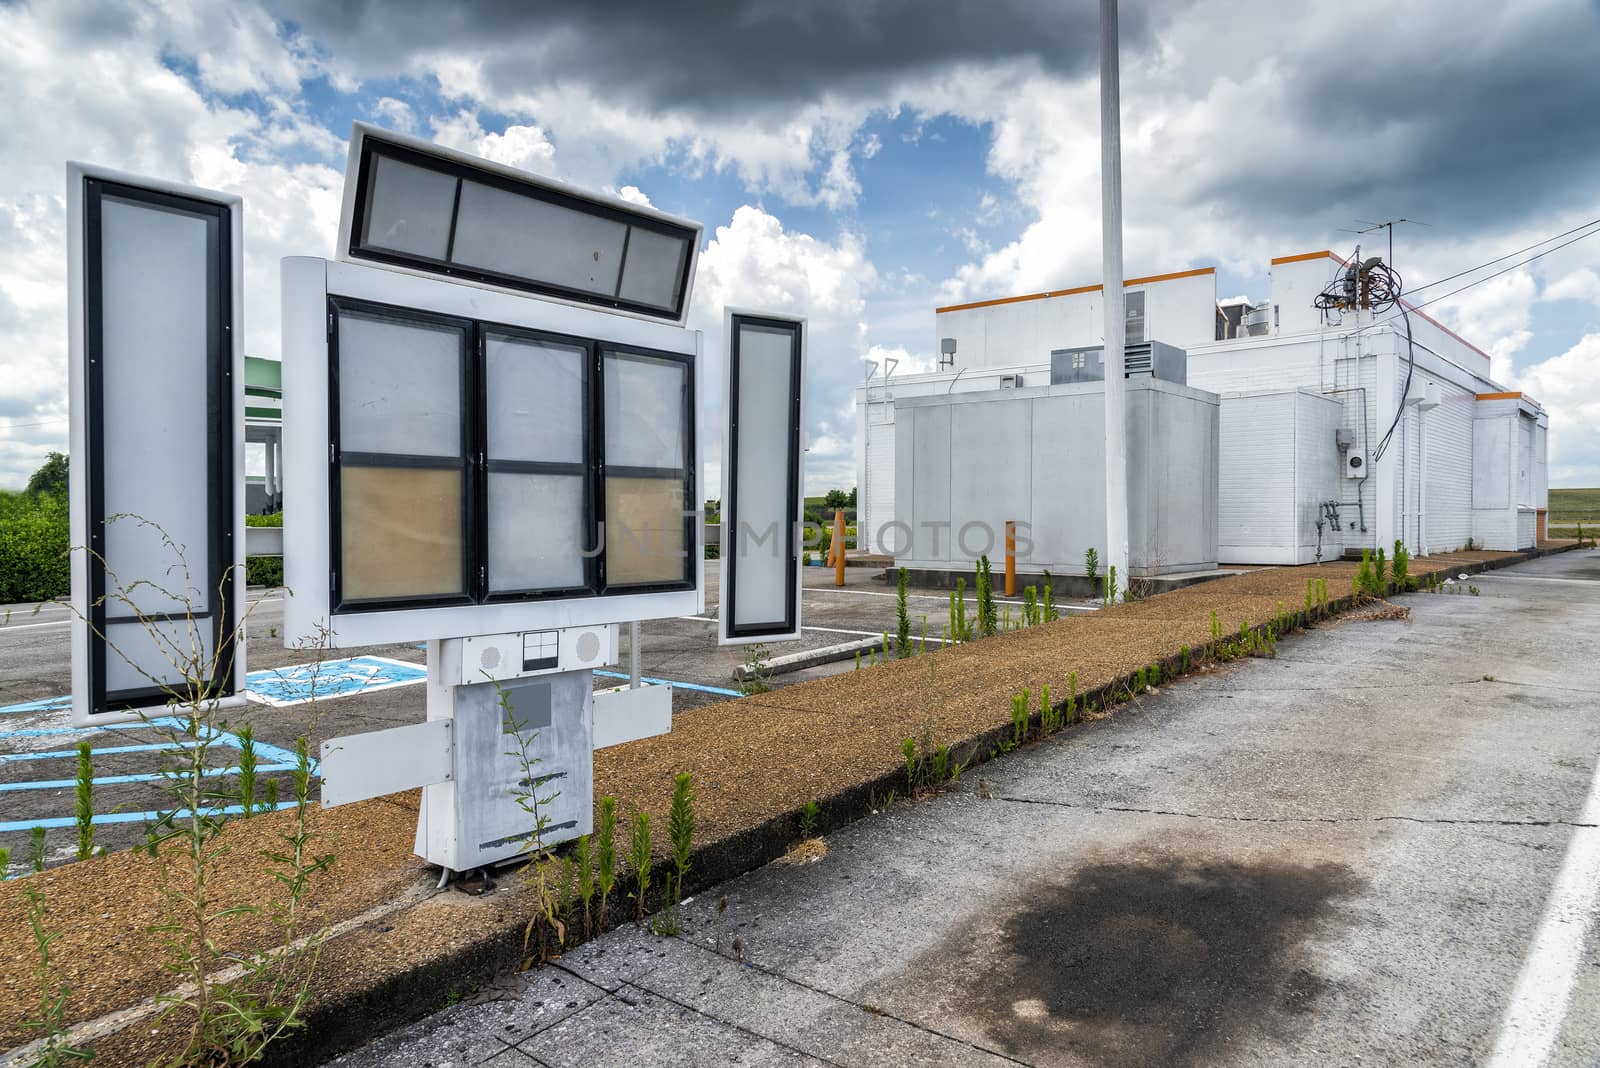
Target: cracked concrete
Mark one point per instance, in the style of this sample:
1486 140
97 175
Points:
1337 857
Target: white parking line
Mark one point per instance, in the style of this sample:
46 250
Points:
6 628
1532 1022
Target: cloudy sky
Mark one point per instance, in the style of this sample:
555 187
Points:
857 161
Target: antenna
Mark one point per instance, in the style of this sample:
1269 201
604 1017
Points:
1368 227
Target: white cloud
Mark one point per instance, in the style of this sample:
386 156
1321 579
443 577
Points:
395 114
755 263
98 90
1581 285
1568 386
633 195
525 147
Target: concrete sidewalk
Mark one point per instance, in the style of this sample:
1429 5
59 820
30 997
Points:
1339 856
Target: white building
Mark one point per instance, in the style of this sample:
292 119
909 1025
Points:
1464 461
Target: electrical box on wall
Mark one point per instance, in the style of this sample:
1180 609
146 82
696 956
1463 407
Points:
499 657
1355 463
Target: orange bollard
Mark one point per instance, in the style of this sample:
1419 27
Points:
1011 557
838 547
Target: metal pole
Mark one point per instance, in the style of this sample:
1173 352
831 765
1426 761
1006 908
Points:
1011 557
633 655
1111 278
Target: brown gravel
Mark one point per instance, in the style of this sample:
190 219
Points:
752 760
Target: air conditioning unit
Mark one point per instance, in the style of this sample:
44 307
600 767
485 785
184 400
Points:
1355 463
499 657
1010 381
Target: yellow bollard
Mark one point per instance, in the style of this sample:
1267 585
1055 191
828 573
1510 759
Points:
838 547
1011 557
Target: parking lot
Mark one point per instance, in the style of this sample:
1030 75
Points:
355 690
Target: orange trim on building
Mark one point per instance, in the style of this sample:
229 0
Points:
1500 396
1303 256
1073 292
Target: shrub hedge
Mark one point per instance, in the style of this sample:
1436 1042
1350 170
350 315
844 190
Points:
34 563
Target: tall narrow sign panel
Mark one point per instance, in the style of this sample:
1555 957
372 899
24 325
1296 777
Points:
157 461
762 458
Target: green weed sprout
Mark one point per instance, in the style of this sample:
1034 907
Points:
85 801
1091 565
902 639
606 856
641 861
247 770
586 880
36 849
808 820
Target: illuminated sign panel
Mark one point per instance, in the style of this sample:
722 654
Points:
423 208
156 440
763 455
466 462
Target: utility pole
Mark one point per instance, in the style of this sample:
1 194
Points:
1111 291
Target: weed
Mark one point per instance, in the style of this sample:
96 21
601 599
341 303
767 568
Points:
566 888
858 659
1183 660
641 861
1402 564
247 770
534 805
1488 678
51 1024
1019 718
1049 604
5 864
36 848
1091 566
960 626
1072 696
922 646
1473 590
988 619
808 821
1109 596
928 767
85 801
1153 675
1030 607
606 856
680 829
902 640
1310 596
586 880
1379 572
753 678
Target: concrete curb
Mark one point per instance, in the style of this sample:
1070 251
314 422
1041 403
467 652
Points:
394 1000
828 654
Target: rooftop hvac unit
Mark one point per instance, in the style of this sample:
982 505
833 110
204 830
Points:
1256 321
1010 381
1077 365
1166 362
1153 358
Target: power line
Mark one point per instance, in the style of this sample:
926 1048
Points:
1488 277
26 426
1508 255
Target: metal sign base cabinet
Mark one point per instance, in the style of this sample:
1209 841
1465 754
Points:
475 819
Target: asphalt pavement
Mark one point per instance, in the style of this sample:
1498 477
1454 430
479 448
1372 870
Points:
1378 848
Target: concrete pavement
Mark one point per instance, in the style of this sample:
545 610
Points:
1341 856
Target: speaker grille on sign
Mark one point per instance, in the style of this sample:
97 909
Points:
588 646
490 657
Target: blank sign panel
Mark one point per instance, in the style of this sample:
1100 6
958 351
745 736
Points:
410 209
762 478
155 455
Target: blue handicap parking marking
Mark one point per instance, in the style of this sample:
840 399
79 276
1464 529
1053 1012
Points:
299 683
48 704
